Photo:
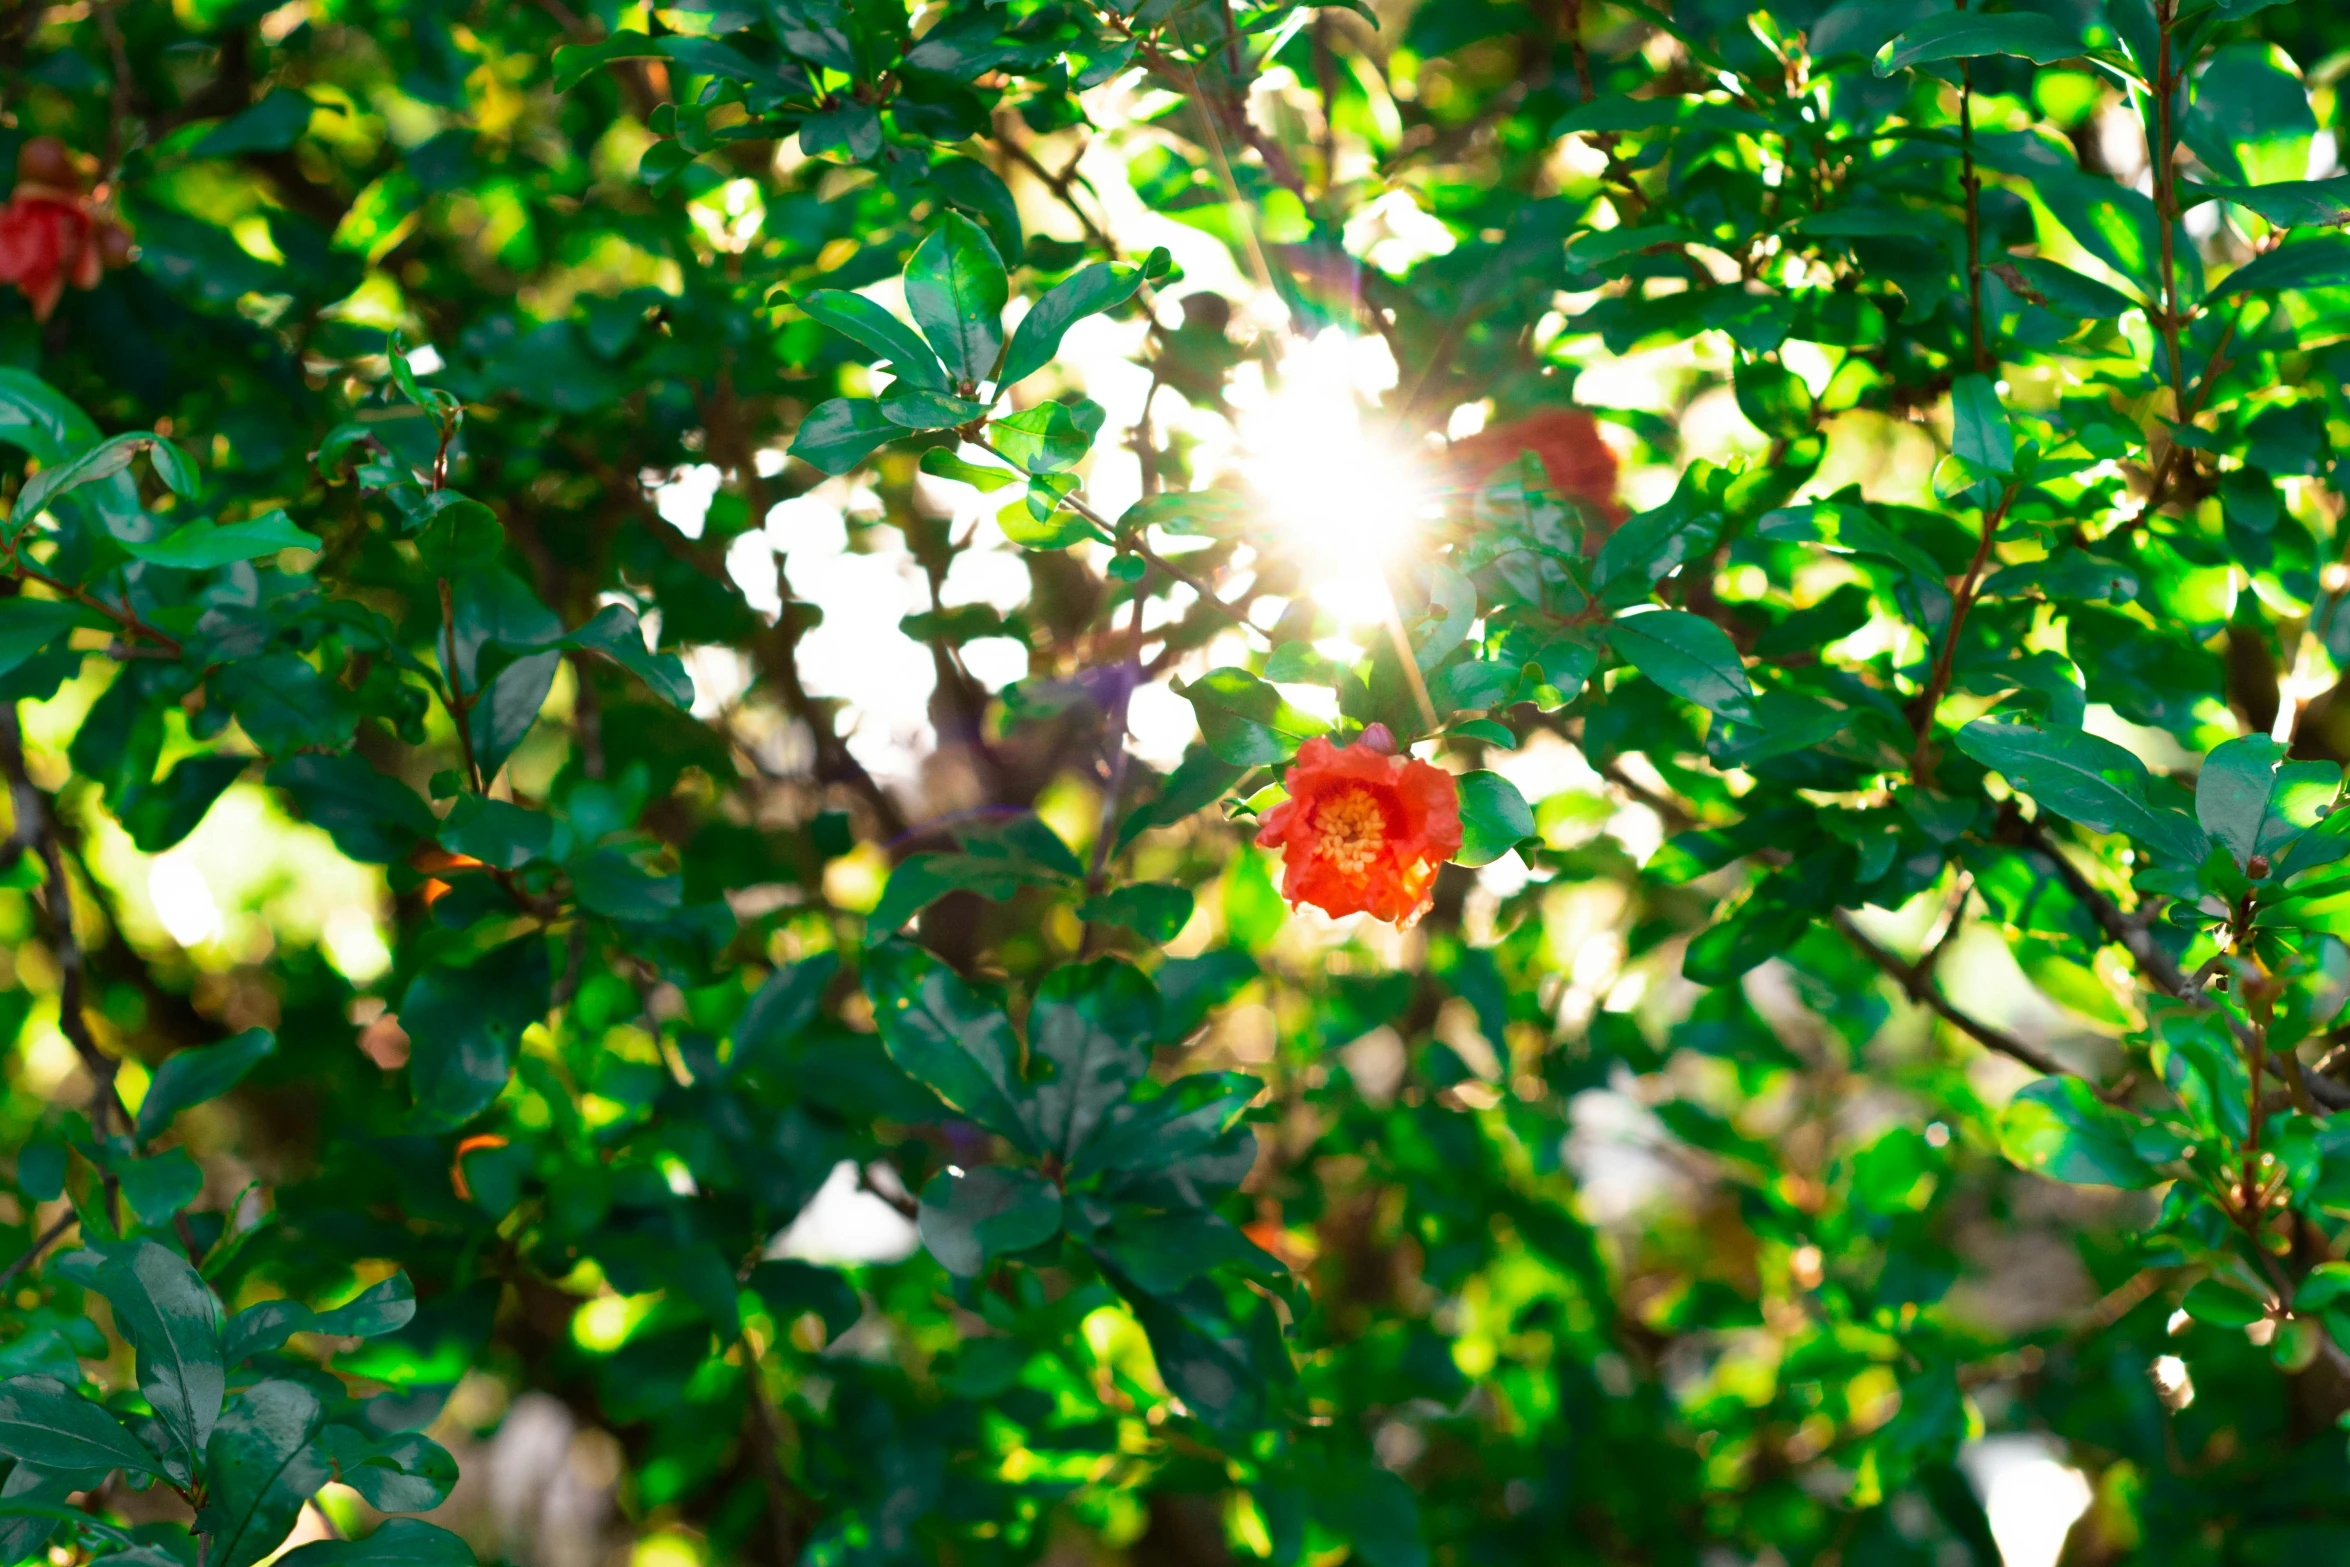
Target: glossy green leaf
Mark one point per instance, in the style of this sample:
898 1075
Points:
1959 35
951 1038
1245 722
971 1219
2057 1127
1689 656
842 433
396 1542
202 545
2322 261
463 1025
173 1320
957 291
874 328
204 1072
1495 818
2091 780
44 1422
1091 291
262 1466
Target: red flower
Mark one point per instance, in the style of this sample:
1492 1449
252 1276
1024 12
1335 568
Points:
1364 830
50 233
1577 462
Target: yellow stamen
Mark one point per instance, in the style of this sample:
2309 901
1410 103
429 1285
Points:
1353 830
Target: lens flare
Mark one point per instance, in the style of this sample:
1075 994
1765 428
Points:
1349 499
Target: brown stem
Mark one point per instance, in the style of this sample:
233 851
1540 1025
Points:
1973 186
2119 928
454 696
41 1243
2166 201
1919 987
36 830
131 624
1921 761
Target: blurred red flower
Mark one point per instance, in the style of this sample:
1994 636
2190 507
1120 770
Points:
1364 830
50 233
1577 462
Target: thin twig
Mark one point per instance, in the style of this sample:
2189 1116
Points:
36 831
1920 988
46 1239
2124 931
1921 760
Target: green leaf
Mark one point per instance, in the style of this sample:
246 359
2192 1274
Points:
1199 781
259 1329
1774 398
2232 792
2061 289
574 63
971 1218
272 125
102 461
1089 1038
929 410
2058 1127
1495 818
158 1187
193 1076
463 1026
919 880
950 1038
407 1472
956 288
1245 722
855 316
1848 528
44 1422
611 883
284 704
1162 1252
2086 778
1045 439
202 545
173 1320
1646 548
385 1306
396 1542
981 192
615 632
29 625
370 817
166 813
262 1466
1687 655
2287 203
1213 513
1962 35
2223 1306
1089 292
838 435
852 128
1980 434
1218 1359
2321 261
943 464
1156 911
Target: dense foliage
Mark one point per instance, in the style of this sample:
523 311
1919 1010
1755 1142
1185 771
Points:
1745 891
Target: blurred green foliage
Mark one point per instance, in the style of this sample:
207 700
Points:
480 960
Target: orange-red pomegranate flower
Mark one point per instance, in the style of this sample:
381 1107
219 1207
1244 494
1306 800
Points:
50 233
1364 830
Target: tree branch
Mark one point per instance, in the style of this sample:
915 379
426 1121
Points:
1918 984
